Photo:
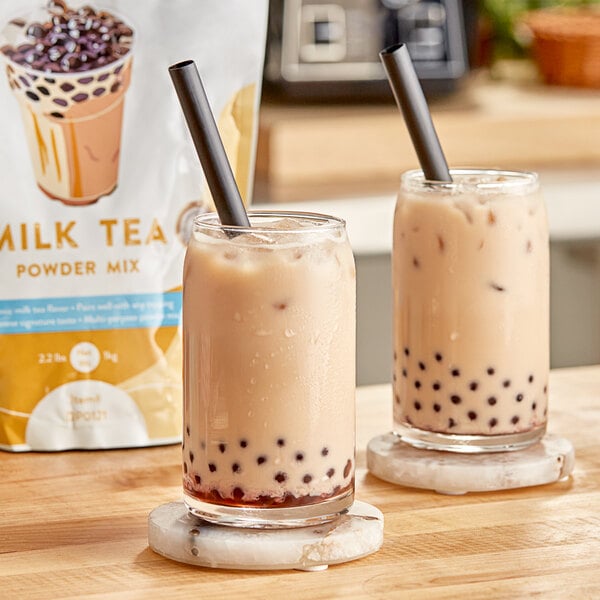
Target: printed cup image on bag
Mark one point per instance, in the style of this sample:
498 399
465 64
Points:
69 71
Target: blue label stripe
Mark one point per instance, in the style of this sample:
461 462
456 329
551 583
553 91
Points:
123 311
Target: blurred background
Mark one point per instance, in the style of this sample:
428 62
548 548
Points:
511 83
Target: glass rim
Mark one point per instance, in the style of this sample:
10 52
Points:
514 180
210 222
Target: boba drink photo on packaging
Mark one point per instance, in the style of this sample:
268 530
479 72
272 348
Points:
69 68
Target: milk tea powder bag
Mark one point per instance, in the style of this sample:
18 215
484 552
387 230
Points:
99 185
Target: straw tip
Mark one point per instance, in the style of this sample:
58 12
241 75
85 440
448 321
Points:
391 49
182 65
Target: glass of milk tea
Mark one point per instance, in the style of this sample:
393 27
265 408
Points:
269 370
471 311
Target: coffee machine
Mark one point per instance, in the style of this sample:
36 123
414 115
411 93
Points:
328 49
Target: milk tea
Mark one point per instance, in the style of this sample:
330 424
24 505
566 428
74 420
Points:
471 316
269 371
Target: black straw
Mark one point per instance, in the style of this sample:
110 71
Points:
411 101
209 146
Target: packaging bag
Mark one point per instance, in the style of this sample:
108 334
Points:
99 184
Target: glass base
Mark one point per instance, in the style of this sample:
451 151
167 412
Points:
271 518
468 444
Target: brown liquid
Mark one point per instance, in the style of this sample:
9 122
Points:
265 501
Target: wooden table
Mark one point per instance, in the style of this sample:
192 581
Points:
73 525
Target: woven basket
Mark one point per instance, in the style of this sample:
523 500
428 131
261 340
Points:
566 45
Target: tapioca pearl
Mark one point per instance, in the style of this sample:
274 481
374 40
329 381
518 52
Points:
118 69
114 87
451 423
515 419
533 405
455 399
472 415
490 370
519 397
70 62
506 383
203 445
197 479
347 468
191 456
35 31
493 422
395 355
441 243
60 101
437 408
187 430
455 372
261 460
24 81
397 398
406 351
422 366
330 472
417 384
185 467
43 90
280 305
436 386
492 400
238 493
530 379
280 477
404 373
80 97
438 356
222 447
243 443
103 77
473 385
416 263
280 442
417 405
299 456
32 96
545 389
85 80
394 377
324 451
212 467
307 478
235 467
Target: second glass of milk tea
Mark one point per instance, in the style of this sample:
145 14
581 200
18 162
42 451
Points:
269 370
471 311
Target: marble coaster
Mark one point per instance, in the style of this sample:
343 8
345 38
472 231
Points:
180 536
390 459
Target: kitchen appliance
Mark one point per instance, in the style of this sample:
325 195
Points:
320 49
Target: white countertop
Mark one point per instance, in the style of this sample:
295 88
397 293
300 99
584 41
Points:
572 201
